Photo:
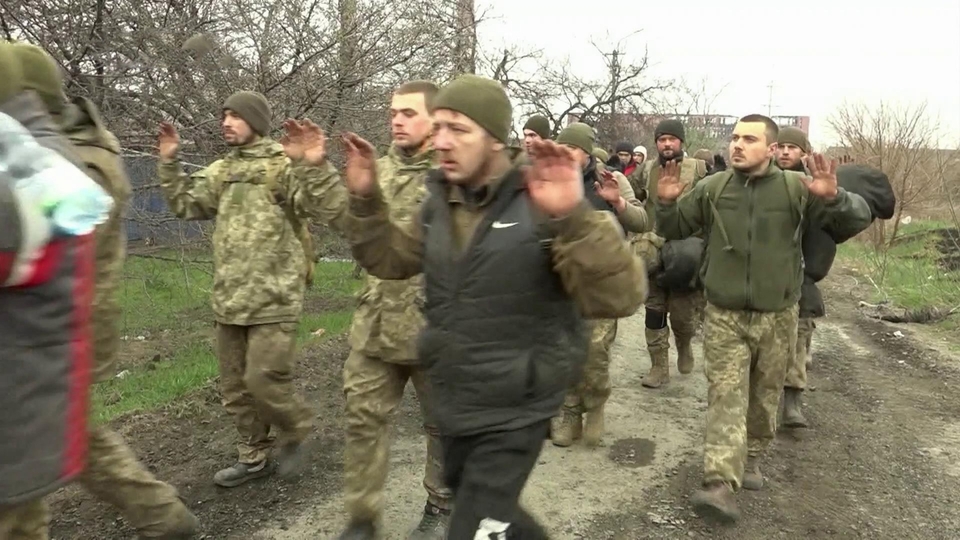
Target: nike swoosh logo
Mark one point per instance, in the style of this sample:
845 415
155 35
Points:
499 225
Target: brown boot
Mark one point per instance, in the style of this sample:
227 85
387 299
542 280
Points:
593 426
792 408
716 501
752 477
684 354
566 428
658 345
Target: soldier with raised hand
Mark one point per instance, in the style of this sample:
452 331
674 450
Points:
791 153
262 194
754 217
583 407
383 340
113 474
513 260
682 305
537 128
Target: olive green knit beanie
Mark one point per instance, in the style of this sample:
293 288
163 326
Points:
482 100
601 154
579 135
42 75
253 108
539 125
11 76
794 136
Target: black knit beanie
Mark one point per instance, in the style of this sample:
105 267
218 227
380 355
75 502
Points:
670 126
624 147
253 108
482 100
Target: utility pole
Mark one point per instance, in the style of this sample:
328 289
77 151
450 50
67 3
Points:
770 99
614 84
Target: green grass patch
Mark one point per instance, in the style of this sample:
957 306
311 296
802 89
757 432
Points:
909 273
159 294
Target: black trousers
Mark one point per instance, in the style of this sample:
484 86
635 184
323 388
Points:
487 473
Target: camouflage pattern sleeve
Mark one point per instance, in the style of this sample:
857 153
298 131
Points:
387 250
597 266
634 216
318 193
193 197
684 217
846 216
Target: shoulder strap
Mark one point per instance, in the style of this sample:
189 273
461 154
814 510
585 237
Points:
716 188
799 195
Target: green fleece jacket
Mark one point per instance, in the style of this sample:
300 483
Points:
753 259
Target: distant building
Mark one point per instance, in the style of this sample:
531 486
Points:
717 126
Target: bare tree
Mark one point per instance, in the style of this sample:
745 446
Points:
900 141
552 87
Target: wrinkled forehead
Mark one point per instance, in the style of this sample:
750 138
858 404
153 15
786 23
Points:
453 119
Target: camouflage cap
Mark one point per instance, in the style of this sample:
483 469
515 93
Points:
794 136
11 76
579 135
539 125
42 75
253 108
482 100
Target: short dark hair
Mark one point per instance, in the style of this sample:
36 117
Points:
427 88
771 129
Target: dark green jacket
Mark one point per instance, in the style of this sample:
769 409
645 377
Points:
753 258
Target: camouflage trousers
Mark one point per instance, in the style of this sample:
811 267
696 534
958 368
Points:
373 390
745 357
593 388
25 521
256 386
797 366
685 309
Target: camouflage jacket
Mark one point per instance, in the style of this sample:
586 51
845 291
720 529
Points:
259 262
388 317
100 152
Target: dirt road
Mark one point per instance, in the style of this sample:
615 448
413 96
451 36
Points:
882 459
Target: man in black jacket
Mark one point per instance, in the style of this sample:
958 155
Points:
514 260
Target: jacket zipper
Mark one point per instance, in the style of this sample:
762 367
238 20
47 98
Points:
751 193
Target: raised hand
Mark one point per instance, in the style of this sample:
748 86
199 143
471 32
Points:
669 187
554 179
822 181
361 164
609 190
304 140
168 141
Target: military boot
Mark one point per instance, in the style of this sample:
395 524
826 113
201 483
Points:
716 501
792 405
684 353
238 473
593 426
566 428
433 525
752 477
658 345
359 530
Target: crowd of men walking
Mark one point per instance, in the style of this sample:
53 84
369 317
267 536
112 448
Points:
495 279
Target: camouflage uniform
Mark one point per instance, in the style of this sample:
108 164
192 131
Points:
801 359
683 307
27 521
383 338
750 327
261 202
747 356
591 392
112 473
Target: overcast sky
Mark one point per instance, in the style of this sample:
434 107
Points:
815 52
